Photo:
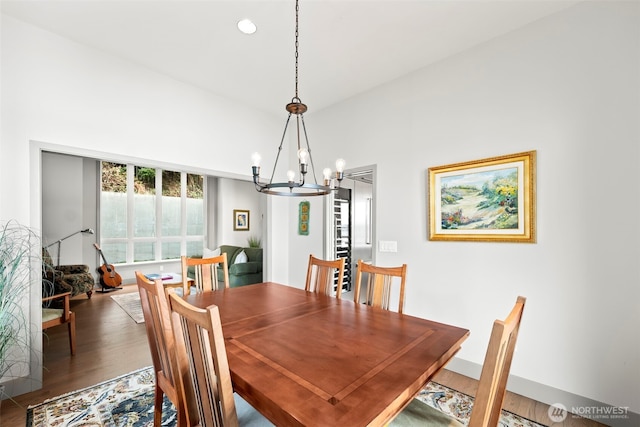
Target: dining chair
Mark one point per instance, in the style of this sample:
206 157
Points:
200 347
60 316
157 318
205 273
321 276
492 386
379 283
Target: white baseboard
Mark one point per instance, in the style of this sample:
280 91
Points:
17 386
582 406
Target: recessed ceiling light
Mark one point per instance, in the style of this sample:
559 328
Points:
246 26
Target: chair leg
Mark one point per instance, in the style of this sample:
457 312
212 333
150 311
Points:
157 410
72 333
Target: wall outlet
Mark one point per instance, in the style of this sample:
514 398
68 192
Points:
388 246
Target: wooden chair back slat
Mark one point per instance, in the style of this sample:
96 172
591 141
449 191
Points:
206 273
321 276
200 346
379 284
492 386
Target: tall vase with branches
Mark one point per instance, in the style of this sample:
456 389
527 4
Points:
18 250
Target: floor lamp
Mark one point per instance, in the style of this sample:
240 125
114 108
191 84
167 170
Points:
85 231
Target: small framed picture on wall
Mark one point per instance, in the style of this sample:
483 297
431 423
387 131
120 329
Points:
240 220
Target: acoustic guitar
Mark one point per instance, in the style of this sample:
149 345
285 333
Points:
108 275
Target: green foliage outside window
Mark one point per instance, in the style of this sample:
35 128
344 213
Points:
114 179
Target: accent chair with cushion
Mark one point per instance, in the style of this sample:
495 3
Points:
74 278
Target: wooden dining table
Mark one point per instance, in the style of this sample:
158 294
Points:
307 359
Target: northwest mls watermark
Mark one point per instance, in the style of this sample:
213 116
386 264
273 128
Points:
558 412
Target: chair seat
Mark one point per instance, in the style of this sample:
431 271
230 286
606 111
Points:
418 413
51 313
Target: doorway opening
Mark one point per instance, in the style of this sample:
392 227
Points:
350 217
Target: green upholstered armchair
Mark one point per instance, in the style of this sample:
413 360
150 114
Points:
246 272
249 270
74 278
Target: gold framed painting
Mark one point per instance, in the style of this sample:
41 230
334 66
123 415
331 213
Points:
240 220
488 200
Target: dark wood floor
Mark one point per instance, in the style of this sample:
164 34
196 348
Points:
110 343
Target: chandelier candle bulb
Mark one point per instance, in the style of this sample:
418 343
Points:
290 175
340 163
326 173
303 155
256 159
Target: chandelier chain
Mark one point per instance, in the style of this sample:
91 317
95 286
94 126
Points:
297 10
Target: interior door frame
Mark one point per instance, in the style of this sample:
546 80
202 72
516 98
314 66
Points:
329 226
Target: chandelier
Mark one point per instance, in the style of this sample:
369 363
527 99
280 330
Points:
297 187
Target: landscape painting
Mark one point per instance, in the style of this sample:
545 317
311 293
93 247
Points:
484 200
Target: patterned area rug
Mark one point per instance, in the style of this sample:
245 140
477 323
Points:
130 303
458 405
122 401
128 401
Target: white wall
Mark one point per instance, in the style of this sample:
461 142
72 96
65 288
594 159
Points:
60 92
276 244
62 194
69 194
235 194
567 86
61 96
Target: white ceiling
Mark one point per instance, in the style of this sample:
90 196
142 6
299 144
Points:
346 46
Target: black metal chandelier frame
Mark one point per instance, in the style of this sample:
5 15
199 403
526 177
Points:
291 187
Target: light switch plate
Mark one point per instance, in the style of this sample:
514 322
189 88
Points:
388 246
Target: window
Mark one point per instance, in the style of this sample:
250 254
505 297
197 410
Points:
150 214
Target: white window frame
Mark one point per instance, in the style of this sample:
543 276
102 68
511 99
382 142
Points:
158 239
